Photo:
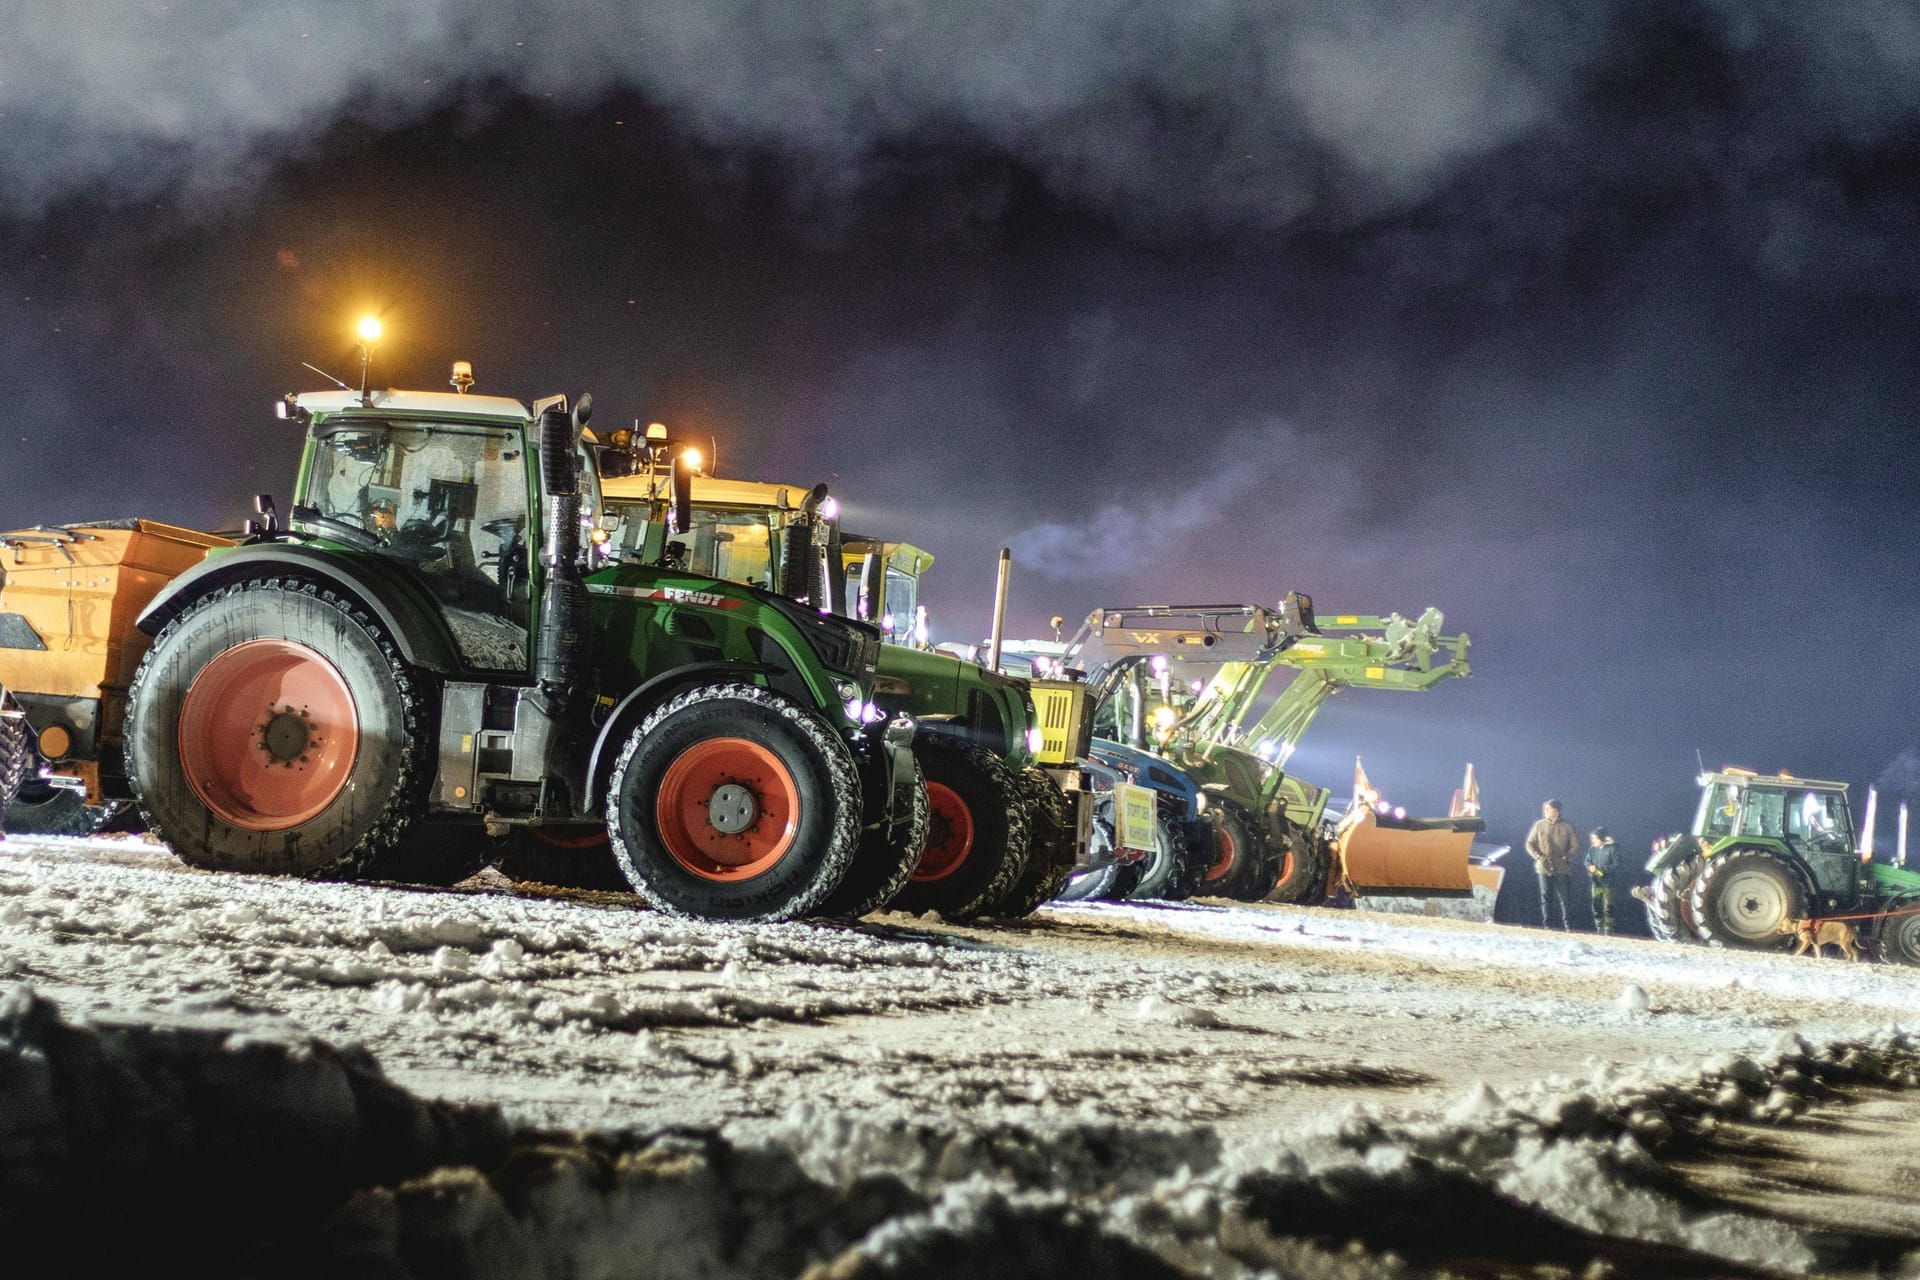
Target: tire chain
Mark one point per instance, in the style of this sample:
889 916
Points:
846 829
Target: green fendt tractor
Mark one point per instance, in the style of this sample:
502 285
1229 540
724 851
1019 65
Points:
1768 848
435 655
1005 812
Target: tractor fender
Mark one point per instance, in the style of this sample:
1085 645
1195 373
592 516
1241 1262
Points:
632 709
407 613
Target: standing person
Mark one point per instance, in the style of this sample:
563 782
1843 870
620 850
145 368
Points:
1554 844
1603 864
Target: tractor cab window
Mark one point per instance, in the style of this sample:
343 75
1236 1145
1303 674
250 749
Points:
1719 807
1764 814
1817 821
734 546
448 500
902 597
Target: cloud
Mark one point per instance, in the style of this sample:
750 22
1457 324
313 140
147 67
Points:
1213 114
1242 481
1901 777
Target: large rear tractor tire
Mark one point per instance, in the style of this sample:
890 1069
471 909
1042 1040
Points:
274 728
733 802
1173 870
1050 848
1306 862
1900 935
977 842
884 861
1742 897
1670 902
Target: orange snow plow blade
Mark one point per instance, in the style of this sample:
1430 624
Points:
1417 857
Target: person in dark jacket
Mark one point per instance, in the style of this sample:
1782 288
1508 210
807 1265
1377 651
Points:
1603 866
1554 845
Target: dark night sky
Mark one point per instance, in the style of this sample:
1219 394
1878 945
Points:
1592 325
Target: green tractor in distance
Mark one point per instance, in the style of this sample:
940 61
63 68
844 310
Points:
434 656
1768 848
1005 812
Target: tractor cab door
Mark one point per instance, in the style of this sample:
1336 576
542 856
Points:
1820 829
450 502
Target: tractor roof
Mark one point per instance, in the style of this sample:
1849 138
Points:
708 491
391 400
1748 778
904 556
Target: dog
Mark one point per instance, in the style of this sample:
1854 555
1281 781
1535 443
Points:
1814 936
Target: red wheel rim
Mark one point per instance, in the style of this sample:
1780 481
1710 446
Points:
268 735
1229 849
950 838
727 809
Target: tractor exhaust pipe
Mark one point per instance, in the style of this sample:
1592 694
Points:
563 603
999 609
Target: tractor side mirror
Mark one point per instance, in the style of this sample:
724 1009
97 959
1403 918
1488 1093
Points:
616 464
582 412
682 493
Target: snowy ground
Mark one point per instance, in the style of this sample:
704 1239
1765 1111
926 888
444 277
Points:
1206 1089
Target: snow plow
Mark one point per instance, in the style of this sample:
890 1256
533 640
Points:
1765 849
69 597
1426 866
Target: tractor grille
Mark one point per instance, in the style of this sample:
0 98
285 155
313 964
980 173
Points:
1066 730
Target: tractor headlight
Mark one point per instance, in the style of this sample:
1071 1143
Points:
1200 803
1036 739
847 689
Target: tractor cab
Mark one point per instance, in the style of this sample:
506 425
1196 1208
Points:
883 587
1807 821
438 485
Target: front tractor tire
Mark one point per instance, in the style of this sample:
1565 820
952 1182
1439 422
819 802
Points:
1050 848
1306 866
1246 868
977 843
733 802
884 861
1172 871
1742 898
273 727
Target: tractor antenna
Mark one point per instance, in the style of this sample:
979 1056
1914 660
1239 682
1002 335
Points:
713 456
1699 764
329 377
